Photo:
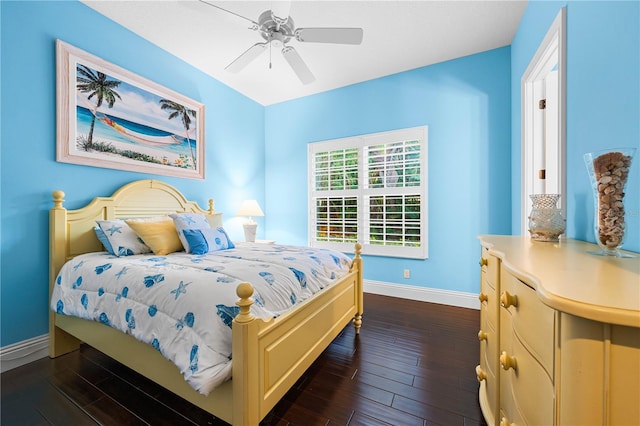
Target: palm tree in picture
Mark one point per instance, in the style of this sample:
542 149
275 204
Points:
99 86
185 114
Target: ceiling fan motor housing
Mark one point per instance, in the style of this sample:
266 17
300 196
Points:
275 30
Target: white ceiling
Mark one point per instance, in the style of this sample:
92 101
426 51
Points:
398 36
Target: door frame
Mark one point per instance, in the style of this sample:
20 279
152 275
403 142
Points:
551 53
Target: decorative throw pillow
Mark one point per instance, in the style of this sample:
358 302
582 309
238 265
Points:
121 239
184 221
103 239
159 233
204 241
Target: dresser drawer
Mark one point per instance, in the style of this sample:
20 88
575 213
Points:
488 370
526 392
532 320
509 413
488 347
510 416
489 302
489 385
533 392
490 266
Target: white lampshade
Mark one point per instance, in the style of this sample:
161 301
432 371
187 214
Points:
250 208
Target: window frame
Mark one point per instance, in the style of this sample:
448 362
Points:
363 192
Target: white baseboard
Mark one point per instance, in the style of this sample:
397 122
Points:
423 294
21 353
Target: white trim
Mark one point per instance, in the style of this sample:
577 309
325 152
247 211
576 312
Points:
422 294
363 191
551 52
21 353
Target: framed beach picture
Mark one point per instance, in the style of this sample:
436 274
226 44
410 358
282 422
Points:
110 117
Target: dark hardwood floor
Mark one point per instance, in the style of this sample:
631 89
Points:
413 364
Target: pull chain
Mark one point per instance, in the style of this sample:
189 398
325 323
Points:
269 54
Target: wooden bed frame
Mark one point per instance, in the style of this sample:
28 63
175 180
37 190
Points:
268 357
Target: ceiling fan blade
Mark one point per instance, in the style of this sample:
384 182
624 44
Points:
298 65
246 58
254 24
330 35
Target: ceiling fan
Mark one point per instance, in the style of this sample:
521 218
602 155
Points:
277 29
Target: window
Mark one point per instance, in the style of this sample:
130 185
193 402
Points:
370 189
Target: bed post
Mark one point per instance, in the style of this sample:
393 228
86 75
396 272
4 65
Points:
214 219
60 342
357 264
246 395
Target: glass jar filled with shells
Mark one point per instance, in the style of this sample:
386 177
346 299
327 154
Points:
609 172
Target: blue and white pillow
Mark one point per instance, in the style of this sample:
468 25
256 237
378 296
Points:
204 241
185 221
103 239
122 240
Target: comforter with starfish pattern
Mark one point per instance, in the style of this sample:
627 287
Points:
183 304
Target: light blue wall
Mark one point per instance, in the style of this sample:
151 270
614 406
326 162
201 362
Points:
234 143
603 99
471 105
466 105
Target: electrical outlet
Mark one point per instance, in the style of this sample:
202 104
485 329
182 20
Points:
407 273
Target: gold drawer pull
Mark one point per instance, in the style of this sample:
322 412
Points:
483 297
480 374
507 299
507 362
505 422
483 261
482 335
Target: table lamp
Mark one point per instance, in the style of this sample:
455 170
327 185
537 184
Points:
250 208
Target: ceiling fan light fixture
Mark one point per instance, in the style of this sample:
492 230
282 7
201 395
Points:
277 40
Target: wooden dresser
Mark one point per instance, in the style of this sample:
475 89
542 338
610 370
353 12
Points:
559 334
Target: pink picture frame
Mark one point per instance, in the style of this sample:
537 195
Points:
112 118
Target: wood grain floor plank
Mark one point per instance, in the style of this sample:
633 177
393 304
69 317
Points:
111 412
431 413
141 404
412 364
55 407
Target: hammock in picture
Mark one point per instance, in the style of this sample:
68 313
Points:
130 134
140 137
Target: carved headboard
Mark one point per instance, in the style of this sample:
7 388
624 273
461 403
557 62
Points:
71 231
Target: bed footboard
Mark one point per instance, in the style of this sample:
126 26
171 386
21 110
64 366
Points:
269 357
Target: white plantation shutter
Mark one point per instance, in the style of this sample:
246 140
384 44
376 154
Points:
370 189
